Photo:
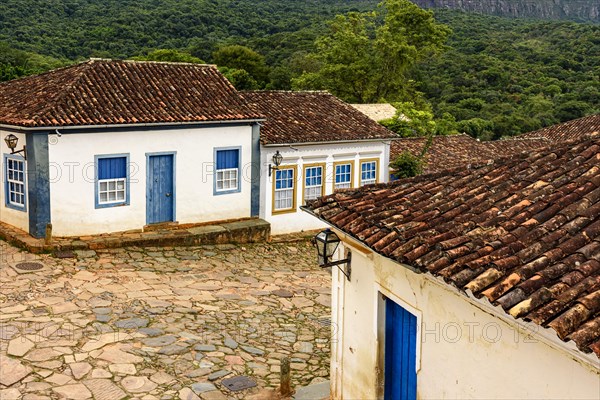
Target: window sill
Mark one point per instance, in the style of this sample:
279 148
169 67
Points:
123 204
287 211
17 208
219 193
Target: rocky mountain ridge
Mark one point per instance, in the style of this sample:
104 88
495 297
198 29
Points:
573 10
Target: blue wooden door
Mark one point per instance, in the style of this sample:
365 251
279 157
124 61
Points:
160 191
400 353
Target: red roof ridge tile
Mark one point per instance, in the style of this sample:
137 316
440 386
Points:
125 60
324 92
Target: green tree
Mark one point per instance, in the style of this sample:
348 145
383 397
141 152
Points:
412 120
236 57
571 110
365 56
16 63
407 165
476 127
240 78
170 55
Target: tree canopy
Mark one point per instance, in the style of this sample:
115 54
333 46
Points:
493 77
365 56
170 55
246 67
414 120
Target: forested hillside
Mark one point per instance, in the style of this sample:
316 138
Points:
505 76
123 28
495 76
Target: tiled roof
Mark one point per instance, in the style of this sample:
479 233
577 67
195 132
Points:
507 147
308 117
377 112
446 152
105 92
523 232
570 130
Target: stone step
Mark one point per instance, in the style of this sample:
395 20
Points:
252 230
317 391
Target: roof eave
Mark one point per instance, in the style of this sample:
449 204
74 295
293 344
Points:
287 144
141 125
548 335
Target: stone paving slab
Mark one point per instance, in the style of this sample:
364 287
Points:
316 391
163 322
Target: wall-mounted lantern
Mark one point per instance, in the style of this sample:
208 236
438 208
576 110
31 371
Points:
327 242
277 159
11 141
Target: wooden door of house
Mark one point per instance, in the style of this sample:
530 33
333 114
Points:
400 377
160 193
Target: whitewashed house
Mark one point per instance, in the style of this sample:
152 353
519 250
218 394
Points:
326 145
118 145
121 145
474 283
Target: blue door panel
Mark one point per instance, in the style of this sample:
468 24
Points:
160 197
400 353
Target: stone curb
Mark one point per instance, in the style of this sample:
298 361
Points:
245 231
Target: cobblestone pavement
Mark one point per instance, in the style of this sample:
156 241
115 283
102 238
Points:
162 323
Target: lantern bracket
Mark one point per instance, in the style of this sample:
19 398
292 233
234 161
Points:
347 270
326 243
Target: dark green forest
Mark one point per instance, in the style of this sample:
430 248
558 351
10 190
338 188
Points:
501 77
74 29
494 76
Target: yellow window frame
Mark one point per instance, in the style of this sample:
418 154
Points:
367 160
294 190
335 164
323 178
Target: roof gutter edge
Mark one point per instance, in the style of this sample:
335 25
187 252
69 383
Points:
327 142
141 125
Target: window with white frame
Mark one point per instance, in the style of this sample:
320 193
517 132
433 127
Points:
368 172
343 176
111 181
313 182
227 170
284 189
15 182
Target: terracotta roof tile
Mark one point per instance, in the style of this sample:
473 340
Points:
106 92
306 117
448 152
522 231
571 130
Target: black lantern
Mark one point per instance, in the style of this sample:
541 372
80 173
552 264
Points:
327 243
277 159
11 141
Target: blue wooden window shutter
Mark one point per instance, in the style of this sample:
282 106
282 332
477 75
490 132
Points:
227 159
112 168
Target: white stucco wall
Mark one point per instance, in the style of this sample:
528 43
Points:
72 177
17 218
467 351
301 155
